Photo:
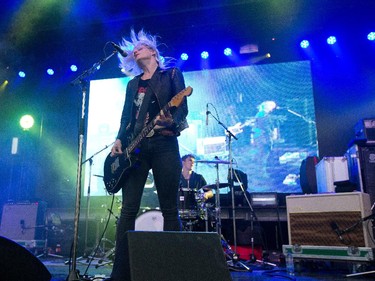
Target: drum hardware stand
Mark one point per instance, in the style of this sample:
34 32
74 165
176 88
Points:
252 218
232 255
206 218
188 225
110 252
252 215
80 80
45 250
104 260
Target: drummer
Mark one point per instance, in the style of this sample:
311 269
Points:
191 180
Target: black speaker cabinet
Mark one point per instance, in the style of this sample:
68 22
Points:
17 263
23 221
318 219
361 164
171 256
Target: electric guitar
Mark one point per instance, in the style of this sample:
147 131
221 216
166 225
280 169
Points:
238 127
117 168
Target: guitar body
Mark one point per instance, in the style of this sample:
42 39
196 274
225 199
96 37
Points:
115 172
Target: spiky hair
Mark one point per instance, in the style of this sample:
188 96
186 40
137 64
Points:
128 64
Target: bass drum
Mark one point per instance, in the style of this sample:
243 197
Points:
151 220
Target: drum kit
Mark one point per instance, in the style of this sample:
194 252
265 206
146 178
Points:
194 209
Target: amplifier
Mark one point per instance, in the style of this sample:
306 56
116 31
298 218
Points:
332 219
365 130
330 170
23 221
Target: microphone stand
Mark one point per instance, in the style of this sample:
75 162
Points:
80 80
230 136
300 116
90 160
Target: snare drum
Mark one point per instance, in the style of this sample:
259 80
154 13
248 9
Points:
151 220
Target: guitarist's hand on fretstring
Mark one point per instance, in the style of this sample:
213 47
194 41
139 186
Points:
163 120
116 148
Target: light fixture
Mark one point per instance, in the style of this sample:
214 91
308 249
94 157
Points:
304 44
331 40
26 122
184 56
204 55
228 51
371 36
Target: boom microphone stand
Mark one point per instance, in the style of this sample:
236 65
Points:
80 80
90 160
230 135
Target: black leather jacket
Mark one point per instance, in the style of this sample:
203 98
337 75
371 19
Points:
165 83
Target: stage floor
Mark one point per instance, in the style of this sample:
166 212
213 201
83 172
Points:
307 271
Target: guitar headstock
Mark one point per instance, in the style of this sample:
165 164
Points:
177 99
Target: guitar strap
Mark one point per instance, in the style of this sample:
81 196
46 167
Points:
144 107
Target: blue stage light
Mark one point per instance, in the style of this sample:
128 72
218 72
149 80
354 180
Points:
50 71
204 55
304 44
371 36
331 40
73 68
21 74
228 51
184 56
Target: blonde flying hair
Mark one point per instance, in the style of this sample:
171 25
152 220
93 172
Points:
128 64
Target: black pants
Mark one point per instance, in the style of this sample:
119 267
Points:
161 154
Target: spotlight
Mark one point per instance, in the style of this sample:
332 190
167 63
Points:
50 71
26 122
331 40
3 85
304 44
371 36
204 55
21 74
73 68
228 51
184 56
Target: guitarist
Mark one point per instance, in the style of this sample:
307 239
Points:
152 88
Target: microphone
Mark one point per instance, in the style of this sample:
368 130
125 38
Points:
22 223
119 50
207 112
336 229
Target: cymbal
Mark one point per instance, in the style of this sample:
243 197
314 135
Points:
212 161
214 186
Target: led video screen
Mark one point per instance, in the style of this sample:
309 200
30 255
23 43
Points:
269 109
